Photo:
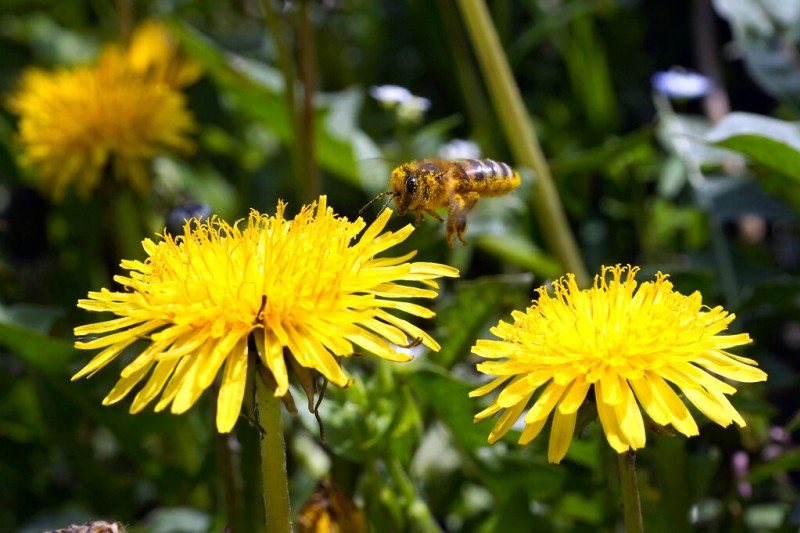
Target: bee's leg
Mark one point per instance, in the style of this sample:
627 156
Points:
433 213
460 206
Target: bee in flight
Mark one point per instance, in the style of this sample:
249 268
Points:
97 526
425 184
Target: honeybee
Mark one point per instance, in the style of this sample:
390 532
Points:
425 184
97 526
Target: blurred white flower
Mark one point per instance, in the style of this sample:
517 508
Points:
412 110
390 95
460 149
408 107
680 83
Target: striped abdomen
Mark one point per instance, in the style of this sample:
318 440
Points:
486 176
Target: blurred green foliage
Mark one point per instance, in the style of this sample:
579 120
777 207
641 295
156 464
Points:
645 181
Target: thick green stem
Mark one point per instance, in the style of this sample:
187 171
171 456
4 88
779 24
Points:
273 460
631 506
521 136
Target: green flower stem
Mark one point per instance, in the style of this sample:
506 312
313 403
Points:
704 36
417 509
303 140
307 65
128 222
521 137
273 460
228 462
631 506
124 19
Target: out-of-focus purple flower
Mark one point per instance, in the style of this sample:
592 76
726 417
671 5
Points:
741 463
680 83
770 452
778 434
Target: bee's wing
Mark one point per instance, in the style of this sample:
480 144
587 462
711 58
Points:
499 215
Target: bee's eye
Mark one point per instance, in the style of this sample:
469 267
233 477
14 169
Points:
411 184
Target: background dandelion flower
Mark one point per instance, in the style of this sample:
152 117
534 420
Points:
154 53
309 285
631 344
75 122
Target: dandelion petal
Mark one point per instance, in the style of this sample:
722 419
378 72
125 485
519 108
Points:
561 435
231 391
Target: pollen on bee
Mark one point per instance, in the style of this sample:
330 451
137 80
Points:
424 185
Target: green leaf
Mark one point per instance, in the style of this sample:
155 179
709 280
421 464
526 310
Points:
687 137
516 249
206 184
47 354
475 304
342 146
504 473
517 510
583 508
732 197
449 398
765 34
773 295
50 41
508 472
429 138
256 91
788 462
603 155
30 316
770 142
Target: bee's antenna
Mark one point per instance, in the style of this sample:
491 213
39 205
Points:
381 195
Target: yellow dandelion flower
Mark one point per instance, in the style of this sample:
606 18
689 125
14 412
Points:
303 285
74 123
154 53
631 345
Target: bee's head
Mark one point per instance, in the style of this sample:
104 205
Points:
405 187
